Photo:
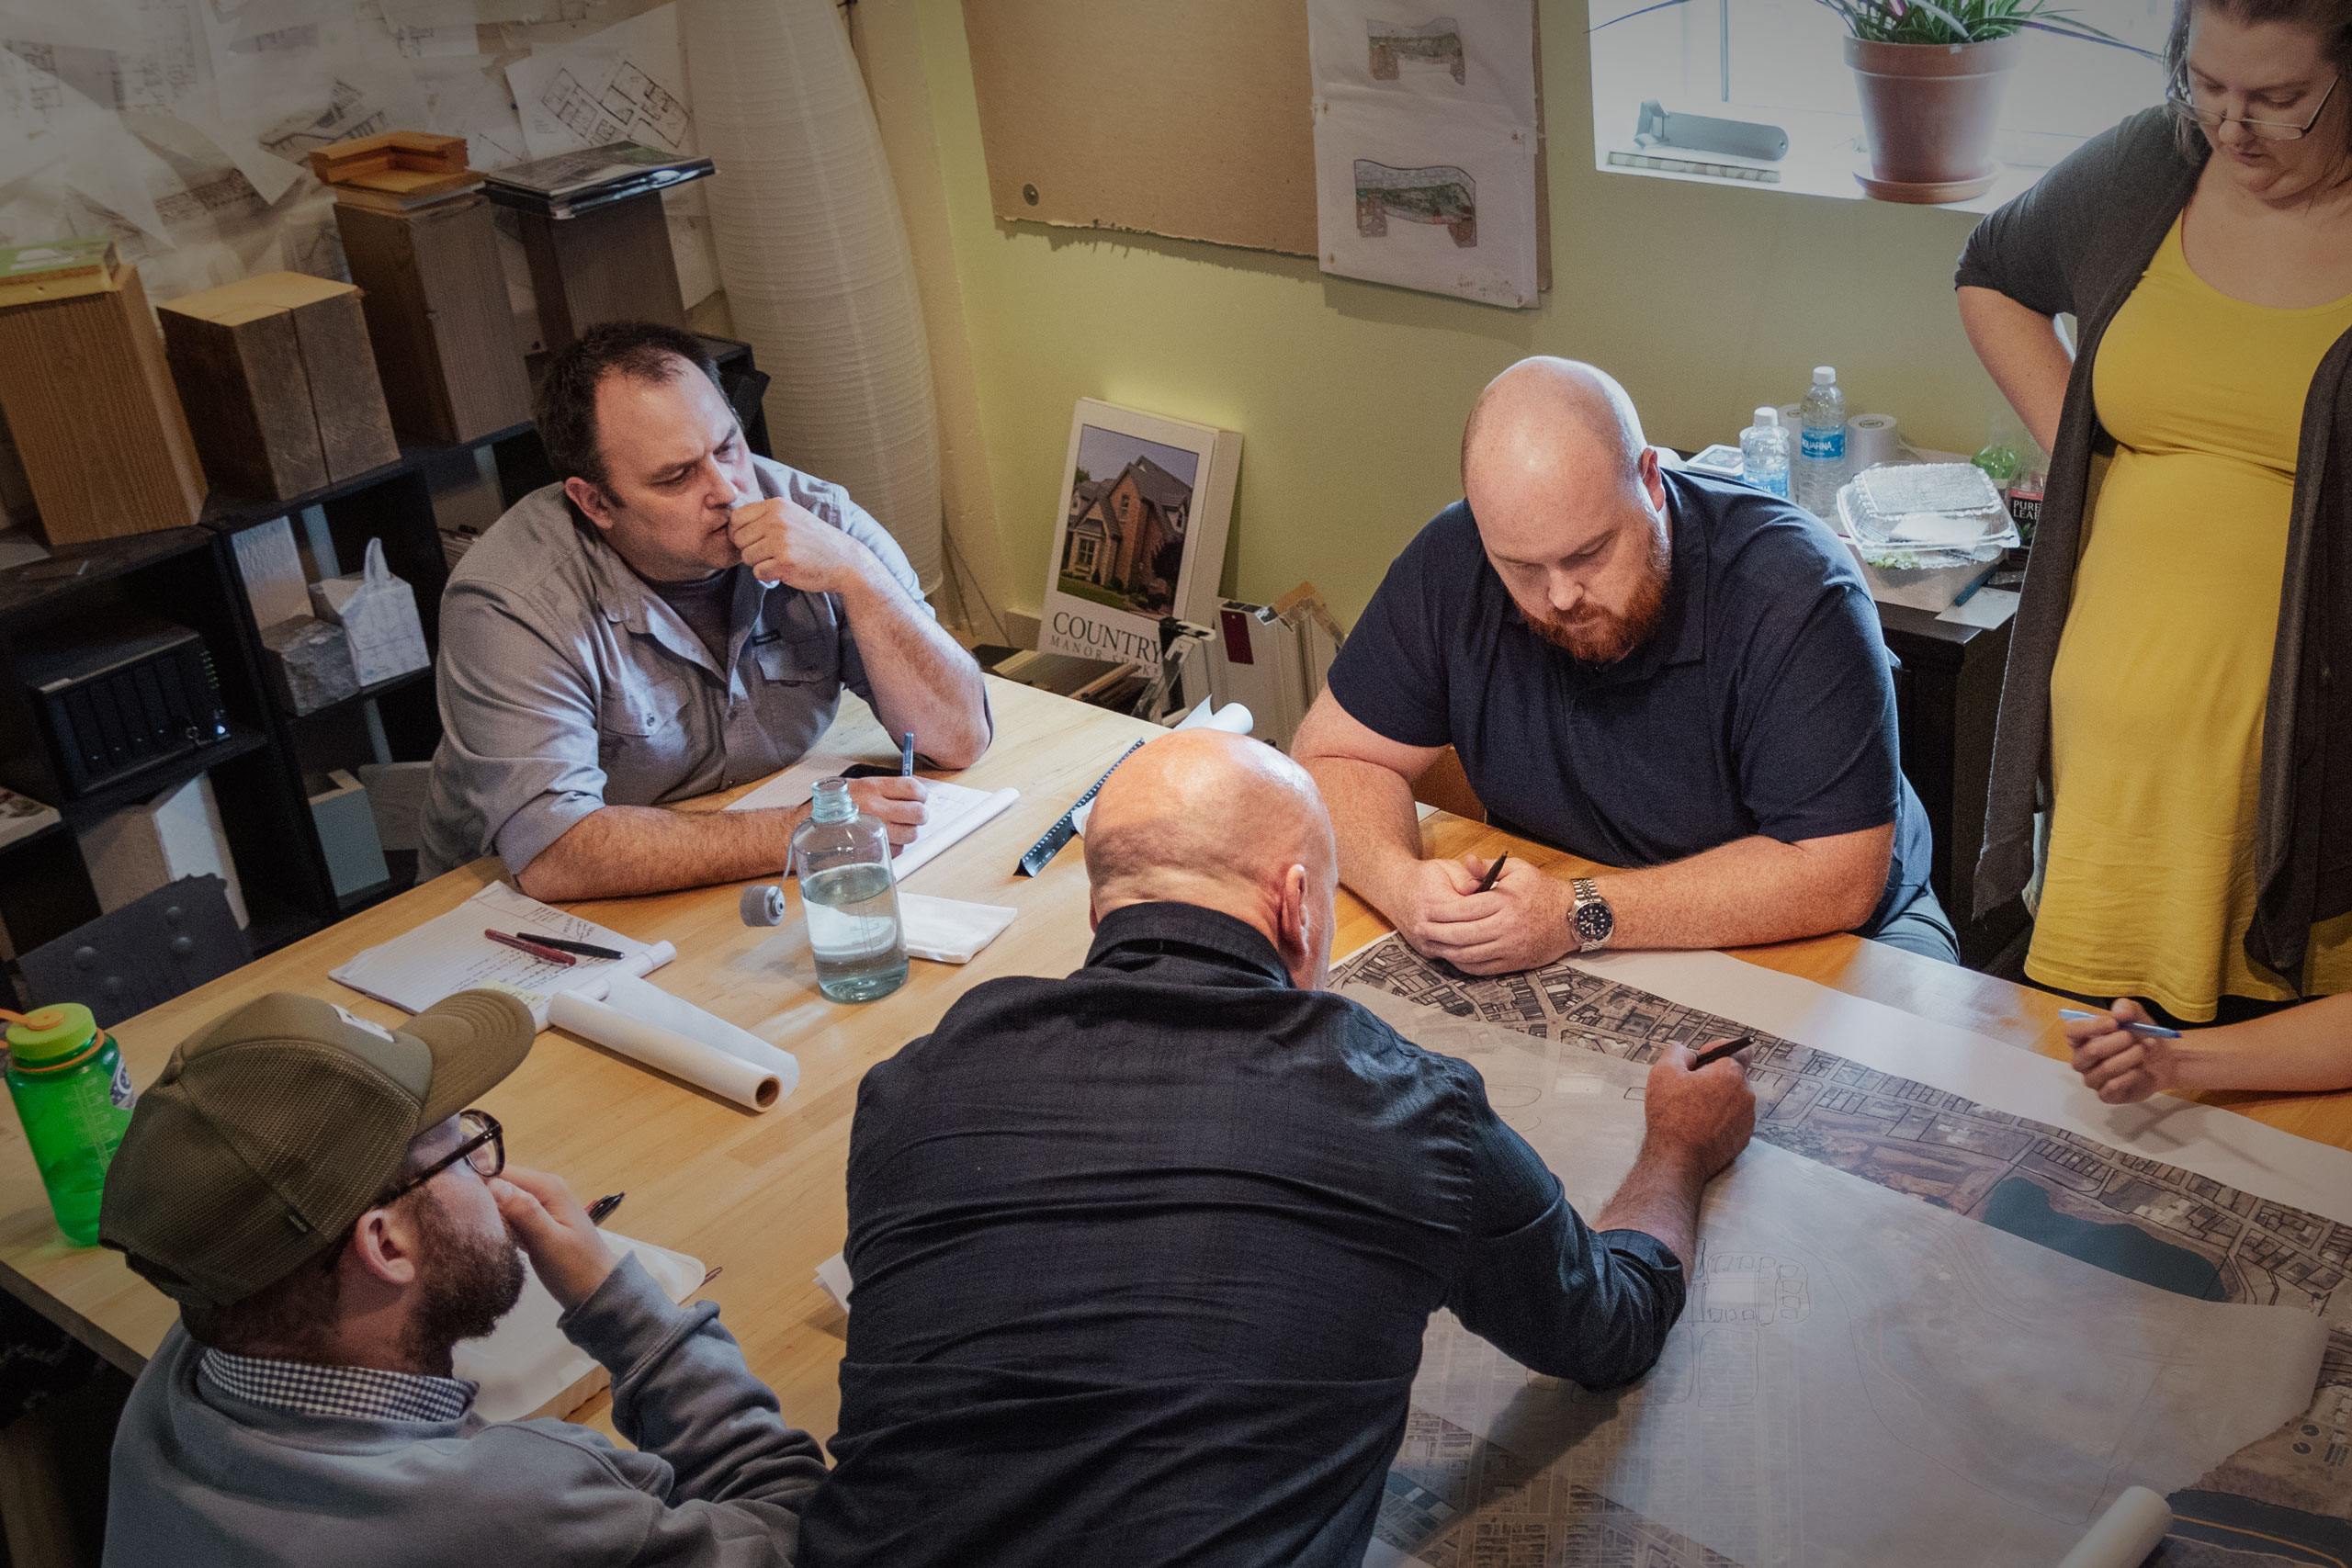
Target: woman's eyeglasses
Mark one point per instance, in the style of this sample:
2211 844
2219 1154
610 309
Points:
2267 130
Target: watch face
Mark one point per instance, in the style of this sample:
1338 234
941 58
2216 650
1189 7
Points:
1594 921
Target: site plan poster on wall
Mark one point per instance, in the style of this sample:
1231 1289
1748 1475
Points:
1145 502
1426 135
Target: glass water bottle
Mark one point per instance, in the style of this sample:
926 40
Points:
850 898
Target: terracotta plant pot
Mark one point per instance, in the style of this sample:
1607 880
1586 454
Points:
1930 111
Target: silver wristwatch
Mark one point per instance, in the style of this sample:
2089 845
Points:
1591 921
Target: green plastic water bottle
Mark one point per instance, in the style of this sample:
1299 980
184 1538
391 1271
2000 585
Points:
74 1096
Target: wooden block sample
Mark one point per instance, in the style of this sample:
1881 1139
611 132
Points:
411 150
282 383
610 264
436 311
97 423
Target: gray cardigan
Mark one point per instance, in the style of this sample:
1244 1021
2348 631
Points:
203 1480
2079 241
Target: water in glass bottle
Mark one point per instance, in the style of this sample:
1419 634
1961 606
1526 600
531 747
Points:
850 898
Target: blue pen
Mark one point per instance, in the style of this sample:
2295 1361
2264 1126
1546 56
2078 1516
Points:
907 755
2145 1031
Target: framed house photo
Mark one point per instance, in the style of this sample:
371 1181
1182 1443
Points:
1145 502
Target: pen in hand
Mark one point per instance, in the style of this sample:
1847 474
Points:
602 1208
2144 1031
907 755
1487 883
1714 1053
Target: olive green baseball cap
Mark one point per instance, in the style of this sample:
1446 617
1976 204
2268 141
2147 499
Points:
277 1125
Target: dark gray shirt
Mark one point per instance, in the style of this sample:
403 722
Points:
568 683
1144 1258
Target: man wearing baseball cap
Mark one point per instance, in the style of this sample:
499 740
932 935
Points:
314 1192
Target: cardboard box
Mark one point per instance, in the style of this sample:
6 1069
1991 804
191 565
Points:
97 423
280 383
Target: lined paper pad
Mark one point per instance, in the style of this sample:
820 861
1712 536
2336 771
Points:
957 810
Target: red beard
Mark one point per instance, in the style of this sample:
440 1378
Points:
1601 638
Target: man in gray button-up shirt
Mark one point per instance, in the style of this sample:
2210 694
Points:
677 617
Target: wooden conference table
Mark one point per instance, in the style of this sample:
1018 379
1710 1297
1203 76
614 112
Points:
762 1196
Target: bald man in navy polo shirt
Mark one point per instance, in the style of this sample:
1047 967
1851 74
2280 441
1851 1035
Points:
1680 676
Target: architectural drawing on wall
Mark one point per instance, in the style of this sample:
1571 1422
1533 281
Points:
1427 137
2169 1239
1440 194
632 107
626 82
1437 43
348 113
1124 546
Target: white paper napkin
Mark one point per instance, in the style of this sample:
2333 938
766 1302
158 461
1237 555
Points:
949 930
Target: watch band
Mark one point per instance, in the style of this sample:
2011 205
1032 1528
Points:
1592 932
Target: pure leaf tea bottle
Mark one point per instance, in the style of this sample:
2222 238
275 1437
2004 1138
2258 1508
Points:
74 1096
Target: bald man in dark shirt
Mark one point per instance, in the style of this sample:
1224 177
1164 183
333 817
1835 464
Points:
1143 1256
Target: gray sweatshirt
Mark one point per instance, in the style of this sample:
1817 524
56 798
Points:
203 1479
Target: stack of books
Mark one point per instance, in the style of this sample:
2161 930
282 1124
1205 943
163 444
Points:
572 183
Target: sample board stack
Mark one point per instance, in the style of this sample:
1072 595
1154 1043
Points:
418 238
99 426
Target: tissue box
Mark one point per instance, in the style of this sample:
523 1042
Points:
377 612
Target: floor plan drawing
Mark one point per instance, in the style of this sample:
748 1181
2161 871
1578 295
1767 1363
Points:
2169 1237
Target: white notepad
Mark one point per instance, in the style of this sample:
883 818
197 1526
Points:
956 810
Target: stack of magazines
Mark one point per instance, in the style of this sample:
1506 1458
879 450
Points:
572 183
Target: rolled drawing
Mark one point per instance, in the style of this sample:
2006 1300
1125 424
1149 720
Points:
2125 1534
728 1076
655 1006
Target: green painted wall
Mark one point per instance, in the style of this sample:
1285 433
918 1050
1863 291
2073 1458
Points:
1706 301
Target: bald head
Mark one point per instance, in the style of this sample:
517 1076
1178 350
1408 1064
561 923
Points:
1199 816
1550 418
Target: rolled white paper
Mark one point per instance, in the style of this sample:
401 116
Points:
2125 1534
728 1076
1233 718
651 1004
1871 439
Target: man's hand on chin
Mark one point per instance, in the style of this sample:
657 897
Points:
1520 923
784 542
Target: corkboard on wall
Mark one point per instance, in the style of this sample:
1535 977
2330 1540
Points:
1189 118
1183 118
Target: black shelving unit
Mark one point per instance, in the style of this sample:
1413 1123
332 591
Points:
188 576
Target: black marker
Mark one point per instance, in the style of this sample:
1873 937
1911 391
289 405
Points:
602 1208
1717 1053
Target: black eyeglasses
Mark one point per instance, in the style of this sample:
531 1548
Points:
484 1148
2267 130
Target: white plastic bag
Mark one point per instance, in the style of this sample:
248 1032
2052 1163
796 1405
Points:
377 612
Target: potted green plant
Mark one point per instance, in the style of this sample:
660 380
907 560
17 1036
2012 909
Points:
1931 78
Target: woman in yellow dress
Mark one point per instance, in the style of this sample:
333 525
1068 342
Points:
2180 678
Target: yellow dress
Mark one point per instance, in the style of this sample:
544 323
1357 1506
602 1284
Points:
2157 695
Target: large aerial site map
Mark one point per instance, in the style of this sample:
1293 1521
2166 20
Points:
1921 1330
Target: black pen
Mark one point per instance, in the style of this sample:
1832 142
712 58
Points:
907 755
1487 883
1717 1053
584 949
602 1208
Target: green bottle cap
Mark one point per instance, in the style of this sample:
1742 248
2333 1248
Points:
50 1033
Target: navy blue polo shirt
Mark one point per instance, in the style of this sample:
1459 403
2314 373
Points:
1762 703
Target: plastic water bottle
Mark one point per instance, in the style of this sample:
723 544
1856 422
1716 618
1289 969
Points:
850 898
74 1099
1764 454
1821 456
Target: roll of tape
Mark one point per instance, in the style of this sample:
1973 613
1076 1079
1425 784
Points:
1871 439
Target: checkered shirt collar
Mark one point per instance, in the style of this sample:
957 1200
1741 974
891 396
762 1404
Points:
361 1393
